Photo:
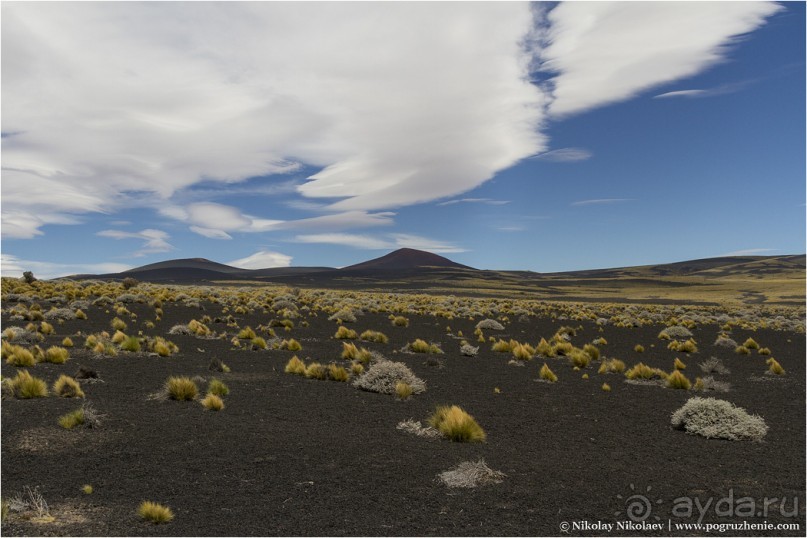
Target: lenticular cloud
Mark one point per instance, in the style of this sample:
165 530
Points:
394 103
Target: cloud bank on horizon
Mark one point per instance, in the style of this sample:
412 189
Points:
109 104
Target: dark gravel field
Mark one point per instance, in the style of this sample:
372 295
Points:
296 456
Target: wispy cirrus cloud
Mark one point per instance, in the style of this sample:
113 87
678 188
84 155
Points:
13 266
387 241
219 221
564 155
154 241
749 252
723 89
601 201
487 201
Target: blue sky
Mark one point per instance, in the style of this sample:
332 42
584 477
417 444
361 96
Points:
504 136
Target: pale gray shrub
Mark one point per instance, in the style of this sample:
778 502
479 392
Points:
676 332
416 428
180 329
382 377
346 315
59 313
470 474
490 324
713 365
718 419
469 350
712 384
725 341
24 336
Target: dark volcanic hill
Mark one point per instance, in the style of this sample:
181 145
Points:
406 258
184 264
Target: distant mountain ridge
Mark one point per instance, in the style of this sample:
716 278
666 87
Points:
406 263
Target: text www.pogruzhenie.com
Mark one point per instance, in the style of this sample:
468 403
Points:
671 526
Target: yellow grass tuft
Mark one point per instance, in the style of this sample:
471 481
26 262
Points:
547 374
25 386
18 356
181 388
155 513
295 366
774 367
606 387
343 333
67 387
67 342
87 489
212 402
72 419
315 371
374 336
457 425
291 345
118 324
400 321
356 369
638 348
742 350
246 333
677 380
337 373
678 364
217 388
403 390
751 344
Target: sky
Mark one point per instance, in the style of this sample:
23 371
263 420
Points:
503 135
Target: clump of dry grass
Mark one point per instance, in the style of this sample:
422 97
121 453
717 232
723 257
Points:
678 364
774 367
217 387
181 388
642 371
677 380
25 386
295 366
470 474
212 402
315 371
638 348
751 344
374 336
403 390
154 512
337 373
421 346
343 333
67 387
247 333
290 345
18 356
547 374
400 321
456 424
351 353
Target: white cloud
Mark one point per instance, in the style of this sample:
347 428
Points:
387 242
12 266
723 89
348 240
487 201
749 252
154 241
214 220
263 259
601 201
210 233
681 93
397 102
564 155
604 52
